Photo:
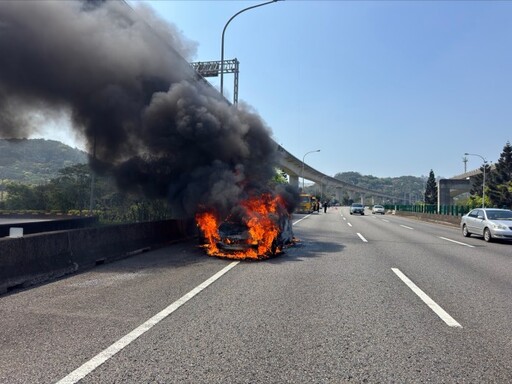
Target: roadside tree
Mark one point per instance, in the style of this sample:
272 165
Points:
431 189
500 181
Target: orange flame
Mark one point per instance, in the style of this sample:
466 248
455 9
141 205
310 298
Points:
208 224
261 218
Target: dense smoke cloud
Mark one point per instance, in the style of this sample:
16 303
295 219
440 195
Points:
145 115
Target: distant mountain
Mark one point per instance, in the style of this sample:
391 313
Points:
407 188
35 161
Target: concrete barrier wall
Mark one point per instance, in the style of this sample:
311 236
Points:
35 258
51 223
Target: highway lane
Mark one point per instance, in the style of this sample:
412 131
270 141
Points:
469 276
331 309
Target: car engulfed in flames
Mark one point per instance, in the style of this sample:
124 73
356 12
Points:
262 230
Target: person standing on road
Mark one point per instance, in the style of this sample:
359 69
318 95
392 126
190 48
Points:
325 204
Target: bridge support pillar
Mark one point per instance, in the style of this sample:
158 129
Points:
293 180
339 194
447 188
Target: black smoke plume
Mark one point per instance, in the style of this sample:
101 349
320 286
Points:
146 116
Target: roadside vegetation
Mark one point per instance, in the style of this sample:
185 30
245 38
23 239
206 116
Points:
75 192
44 176
498 182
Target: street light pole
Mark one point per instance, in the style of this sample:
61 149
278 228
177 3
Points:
222 41
303 158
483 181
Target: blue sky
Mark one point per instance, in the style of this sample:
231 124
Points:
383 88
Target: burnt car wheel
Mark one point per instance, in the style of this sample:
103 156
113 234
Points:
465 231
487 235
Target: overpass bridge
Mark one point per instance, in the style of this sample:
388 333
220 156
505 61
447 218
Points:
295 168
448 189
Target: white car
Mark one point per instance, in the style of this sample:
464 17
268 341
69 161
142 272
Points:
378 209
488 222
357 208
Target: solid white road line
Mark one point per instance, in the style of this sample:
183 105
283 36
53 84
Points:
362 237
405 226
298 221
427 300
457 242
107 353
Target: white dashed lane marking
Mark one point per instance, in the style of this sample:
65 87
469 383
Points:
362 237
427 300
457 242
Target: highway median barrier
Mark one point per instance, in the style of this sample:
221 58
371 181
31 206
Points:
35 258
432 217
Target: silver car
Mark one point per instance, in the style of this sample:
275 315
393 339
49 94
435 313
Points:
491 223
357 208
377 208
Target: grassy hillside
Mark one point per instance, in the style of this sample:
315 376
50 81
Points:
35 161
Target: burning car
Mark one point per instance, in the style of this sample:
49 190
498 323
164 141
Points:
263 230
237 238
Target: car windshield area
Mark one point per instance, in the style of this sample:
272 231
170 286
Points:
499 214
357 205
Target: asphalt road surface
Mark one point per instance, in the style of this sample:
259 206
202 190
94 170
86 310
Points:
359 299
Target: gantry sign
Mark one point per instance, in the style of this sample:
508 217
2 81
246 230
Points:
212 69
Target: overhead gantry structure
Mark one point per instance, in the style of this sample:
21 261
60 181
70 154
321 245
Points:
214 69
